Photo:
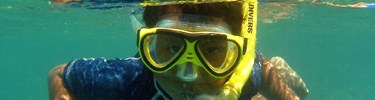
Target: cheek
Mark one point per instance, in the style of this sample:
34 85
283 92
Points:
209 83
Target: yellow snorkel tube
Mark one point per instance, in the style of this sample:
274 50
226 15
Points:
233 87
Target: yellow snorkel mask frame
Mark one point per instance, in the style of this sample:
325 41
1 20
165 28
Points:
233 87
190 48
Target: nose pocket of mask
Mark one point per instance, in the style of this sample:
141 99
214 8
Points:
187 71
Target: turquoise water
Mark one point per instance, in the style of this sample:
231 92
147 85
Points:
331 48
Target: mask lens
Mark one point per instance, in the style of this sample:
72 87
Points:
163 48
218 53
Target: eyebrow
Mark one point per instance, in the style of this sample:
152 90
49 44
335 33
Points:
168 23
171 20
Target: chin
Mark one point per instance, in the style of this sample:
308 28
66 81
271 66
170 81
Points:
191 91
203 88
188 96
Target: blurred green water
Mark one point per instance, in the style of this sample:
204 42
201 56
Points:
34 39
330 48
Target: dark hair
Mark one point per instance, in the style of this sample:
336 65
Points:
230 12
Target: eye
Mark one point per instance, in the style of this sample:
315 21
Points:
212 50
174 48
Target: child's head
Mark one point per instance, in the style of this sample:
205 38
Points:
194 33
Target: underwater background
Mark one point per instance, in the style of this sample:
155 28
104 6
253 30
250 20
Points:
331 48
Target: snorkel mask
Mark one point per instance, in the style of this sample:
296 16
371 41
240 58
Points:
189 47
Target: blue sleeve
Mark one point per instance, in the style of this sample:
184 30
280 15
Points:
256 73
101 79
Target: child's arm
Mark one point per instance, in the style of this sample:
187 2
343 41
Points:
280 82
100 79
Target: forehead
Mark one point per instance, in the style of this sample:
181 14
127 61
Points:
230 12
193 23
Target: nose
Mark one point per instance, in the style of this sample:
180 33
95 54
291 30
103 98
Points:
187 72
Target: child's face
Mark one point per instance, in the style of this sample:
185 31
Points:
187 81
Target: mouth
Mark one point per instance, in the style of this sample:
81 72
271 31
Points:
185 96
187 92
190 96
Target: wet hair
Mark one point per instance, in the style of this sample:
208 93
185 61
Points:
230 12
